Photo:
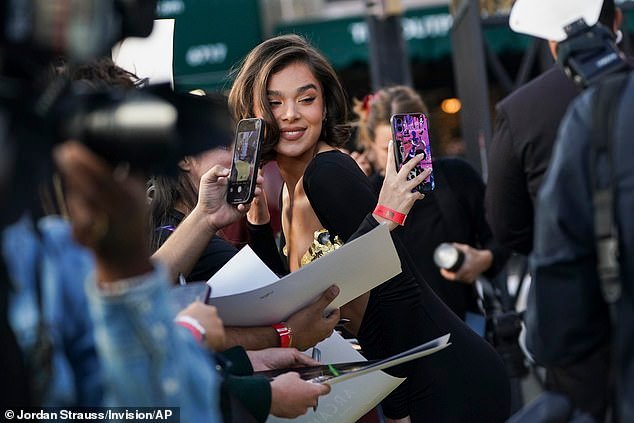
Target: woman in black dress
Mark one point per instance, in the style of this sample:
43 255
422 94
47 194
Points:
452 212
288 83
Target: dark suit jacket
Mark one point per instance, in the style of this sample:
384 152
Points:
525 131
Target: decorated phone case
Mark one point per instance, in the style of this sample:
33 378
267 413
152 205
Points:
411 137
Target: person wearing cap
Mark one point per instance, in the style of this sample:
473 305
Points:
591 348
525 129
567 321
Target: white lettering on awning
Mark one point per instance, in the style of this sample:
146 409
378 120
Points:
170 7
206 54
431 26
414 28
359 32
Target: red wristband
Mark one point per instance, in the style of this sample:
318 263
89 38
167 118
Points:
193 326
285 333
197 335
390 214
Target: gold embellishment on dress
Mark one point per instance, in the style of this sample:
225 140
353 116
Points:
322 245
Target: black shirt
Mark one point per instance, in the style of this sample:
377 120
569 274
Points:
525 130
453 212
216 254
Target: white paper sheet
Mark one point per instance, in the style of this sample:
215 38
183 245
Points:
348 401
438 344
247 293
244 272
149 57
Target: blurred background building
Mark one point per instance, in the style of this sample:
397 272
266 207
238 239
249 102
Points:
446 49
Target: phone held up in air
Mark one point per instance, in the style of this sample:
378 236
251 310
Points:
411 137
246 161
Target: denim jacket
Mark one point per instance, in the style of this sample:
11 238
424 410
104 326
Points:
62 266
130 349
148 360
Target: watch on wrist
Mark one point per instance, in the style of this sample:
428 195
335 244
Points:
285 333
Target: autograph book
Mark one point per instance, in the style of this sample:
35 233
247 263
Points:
247 293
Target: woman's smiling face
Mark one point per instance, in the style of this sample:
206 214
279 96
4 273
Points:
297 102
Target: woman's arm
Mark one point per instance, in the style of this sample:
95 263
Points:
261 238
180 251
342 196
262 241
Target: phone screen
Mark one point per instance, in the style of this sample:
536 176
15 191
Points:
245 162
411 137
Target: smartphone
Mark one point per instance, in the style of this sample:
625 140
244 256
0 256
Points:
410 133
246 161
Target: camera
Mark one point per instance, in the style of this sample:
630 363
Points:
503 321
446 256
78 30
149 128
589 53
586 49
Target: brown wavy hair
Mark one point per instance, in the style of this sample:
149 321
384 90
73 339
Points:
271 56
376 109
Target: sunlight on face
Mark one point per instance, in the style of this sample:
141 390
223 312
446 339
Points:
382 136
297 102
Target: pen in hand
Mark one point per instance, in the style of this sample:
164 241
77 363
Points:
207 294
316 355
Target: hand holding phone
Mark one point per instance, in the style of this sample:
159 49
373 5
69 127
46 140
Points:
246 161
411 137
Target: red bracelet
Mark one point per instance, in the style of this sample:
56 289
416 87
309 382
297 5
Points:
390 214
193 326
285 333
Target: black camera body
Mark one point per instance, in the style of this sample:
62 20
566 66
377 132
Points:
150 129
503 321
78 30
589 53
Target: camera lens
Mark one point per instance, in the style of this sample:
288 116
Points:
400 128
446 256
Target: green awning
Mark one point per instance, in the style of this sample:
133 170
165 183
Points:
426 31
210 36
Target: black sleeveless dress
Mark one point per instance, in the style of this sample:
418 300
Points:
467 381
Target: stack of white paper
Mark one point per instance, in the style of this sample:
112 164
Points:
247 293
349 400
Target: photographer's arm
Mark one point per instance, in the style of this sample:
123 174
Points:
509 206
475 263
182 250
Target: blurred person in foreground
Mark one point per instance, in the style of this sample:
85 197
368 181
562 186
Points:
574 336
524 135
131 319
580 313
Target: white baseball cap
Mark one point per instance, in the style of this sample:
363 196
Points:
547 18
